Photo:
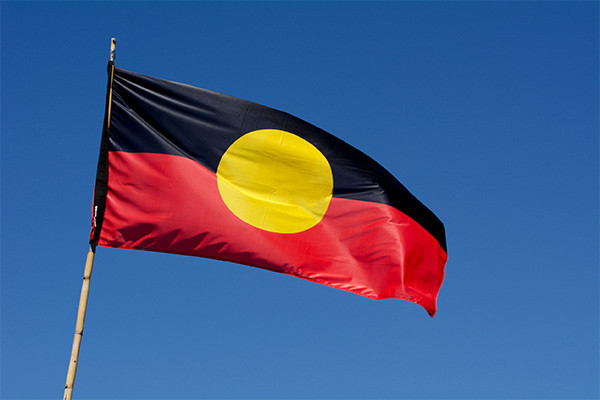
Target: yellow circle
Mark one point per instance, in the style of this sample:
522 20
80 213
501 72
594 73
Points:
276 181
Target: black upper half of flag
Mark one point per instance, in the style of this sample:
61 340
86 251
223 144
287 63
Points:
151 115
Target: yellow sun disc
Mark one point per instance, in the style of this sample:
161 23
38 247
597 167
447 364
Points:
276 181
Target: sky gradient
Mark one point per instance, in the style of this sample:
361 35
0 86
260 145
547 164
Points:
486 111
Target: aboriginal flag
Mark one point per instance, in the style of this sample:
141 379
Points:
189 171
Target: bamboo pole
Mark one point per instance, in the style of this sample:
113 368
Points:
85 289
89 262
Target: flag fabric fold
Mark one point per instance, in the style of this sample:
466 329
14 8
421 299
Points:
189 171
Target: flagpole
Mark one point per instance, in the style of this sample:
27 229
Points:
89 262
85 289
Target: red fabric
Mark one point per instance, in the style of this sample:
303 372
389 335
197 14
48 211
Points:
171 204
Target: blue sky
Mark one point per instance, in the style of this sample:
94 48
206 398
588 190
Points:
486 111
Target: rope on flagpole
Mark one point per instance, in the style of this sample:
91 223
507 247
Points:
89 262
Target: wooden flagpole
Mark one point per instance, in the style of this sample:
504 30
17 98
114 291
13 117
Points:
89 262
85 289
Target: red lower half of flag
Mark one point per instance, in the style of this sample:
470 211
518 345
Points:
172 204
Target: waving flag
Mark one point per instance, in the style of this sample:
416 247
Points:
189 171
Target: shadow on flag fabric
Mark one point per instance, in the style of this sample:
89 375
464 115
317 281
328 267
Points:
188 171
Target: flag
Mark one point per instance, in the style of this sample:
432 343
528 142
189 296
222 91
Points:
189 171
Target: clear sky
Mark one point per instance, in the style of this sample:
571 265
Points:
486 111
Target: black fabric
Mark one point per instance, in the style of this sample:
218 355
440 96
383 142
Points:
157 116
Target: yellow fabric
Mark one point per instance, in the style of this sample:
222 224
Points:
276 181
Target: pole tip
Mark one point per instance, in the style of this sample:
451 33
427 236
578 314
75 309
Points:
113 45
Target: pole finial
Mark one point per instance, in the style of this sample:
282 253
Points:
113 44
